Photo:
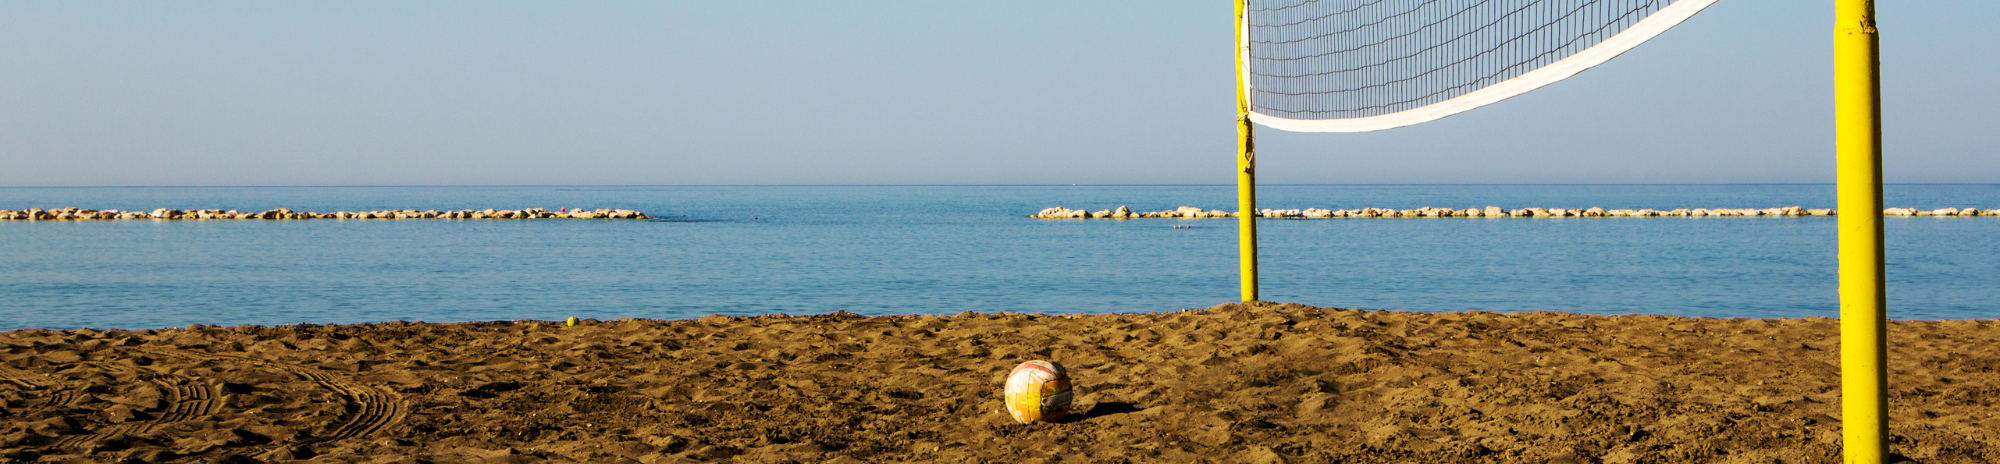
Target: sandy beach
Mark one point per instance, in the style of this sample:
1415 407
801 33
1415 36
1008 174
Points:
1232 383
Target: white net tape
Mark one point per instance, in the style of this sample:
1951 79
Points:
1362 65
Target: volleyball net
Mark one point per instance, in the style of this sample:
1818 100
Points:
1363 65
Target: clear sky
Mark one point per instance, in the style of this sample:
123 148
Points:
906 92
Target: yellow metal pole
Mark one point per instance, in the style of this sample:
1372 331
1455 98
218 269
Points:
1864 353
1246 171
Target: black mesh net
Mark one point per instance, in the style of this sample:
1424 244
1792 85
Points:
1342 59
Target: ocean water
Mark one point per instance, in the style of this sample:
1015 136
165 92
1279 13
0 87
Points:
746 250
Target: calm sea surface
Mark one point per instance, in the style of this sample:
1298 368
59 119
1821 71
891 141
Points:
744 250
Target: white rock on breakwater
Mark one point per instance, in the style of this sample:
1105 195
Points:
1189 212
38 214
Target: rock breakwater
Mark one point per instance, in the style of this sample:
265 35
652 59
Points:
76 214
1190 212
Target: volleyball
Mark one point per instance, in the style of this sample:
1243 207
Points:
1038 391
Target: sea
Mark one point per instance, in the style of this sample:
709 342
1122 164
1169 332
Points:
874 250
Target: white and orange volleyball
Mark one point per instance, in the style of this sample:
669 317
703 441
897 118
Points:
1038 391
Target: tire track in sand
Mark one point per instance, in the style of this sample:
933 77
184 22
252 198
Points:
366 409
20 378
187 400
191 401
56 396
370 409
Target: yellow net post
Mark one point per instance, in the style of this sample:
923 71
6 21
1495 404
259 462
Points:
1864 352
1246 170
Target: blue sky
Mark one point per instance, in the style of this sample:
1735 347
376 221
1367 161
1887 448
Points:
887 92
